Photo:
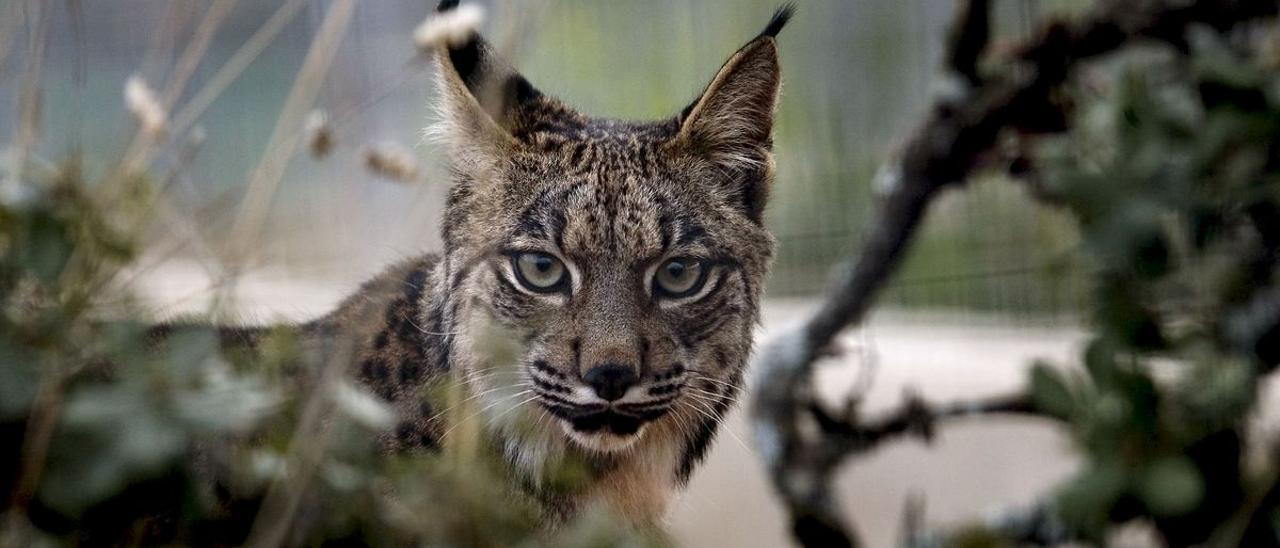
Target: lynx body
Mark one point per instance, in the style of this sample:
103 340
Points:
599 285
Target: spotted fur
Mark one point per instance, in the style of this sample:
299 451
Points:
612 200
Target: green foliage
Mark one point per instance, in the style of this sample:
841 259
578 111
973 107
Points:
1171 169
55 247
110 433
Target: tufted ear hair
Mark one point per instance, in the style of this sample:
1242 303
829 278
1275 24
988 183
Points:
731 123
484 101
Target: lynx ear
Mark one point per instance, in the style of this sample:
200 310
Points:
731 123
484 100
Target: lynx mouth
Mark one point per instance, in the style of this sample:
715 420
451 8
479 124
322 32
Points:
605 431
610 421
603 428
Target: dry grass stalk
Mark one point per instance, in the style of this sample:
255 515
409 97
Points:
10 23
311 438
195 51
136 154
186 117
163 44
39 17
239 61
265 180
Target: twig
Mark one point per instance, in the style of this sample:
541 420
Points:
143 141
45 412
961 128
39 16
162 44
287 132
915 417
800 467
310 441
231 70
969 38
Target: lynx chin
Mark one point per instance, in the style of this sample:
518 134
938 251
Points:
599 285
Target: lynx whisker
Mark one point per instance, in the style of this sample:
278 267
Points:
699 375
470 398
483 410
490 421
715 419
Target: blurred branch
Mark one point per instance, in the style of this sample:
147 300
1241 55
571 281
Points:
960 130
969 37
45 412
914 418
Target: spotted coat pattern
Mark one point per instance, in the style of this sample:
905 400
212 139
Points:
610 200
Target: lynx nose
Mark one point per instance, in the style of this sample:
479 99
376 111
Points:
610 380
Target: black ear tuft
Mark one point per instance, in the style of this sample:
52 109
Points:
779 20
524 91
466 60
466 57
731 123
486 103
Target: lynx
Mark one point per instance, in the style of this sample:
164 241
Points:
621 262
597 293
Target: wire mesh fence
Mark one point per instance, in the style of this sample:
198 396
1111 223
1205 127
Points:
854 71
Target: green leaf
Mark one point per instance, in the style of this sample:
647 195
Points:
1215 61
1100 360
188 347
1050 392
225 402
110 437
19 379
1086 500
1170 486
1122 315
47 247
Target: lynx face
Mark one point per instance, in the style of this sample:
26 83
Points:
624 261
633 287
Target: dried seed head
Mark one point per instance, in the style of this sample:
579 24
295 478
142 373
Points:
142 102
391 160
450 28
319 134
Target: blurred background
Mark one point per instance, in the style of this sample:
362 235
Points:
857 72
994 281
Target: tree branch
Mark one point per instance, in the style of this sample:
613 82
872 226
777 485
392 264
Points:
961 128
915 418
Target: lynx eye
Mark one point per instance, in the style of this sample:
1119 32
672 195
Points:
539 272
679 277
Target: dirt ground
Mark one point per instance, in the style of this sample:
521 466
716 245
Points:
970 469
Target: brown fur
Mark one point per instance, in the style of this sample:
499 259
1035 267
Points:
612 200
